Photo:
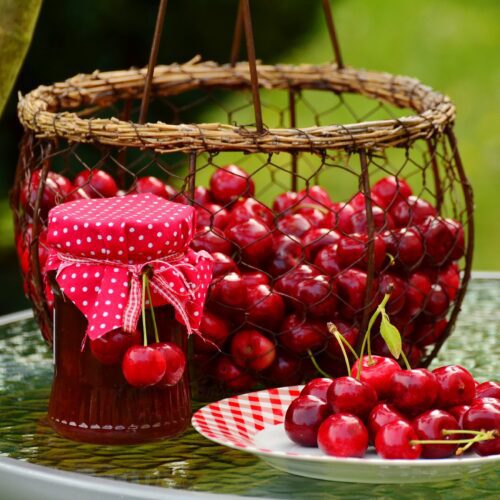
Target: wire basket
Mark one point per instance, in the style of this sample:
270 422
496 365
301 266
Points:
344 184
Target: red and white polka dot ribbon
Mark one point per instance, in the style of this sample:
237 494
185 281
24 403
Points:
124 237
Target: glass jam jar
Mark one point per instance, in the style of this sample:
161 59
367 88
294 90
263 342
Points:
92 402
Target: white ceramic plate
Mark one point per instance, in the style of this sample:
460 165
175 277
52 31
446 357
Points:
254 423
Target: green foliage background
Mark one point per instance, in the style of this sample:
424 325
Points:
451 45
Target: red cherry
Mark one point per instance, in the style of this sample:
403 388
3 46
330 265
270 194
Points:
173 194
287 253
317 217
254 278
265 308
342 219
393 441
391 190
223 264
429 333
288 283
202 196
152 185
484 417
80 194
390 283
317 238
143 366
430 426
303 418
250 208
286 370
326 260
253 239
110 348
382 414
317 387
439 240
413 210
377 374
230 291
230 183
318 296
353 251
56 189
232 376
175 361
458 247
419 287
437 302
455 386
251 349
458 412
413 390
343 435
300 336
294 225
449 279
349 332
382 220
211 215
351 285
314 195
349 395
284 202
214 332
211 240
488 389
405 245
96 183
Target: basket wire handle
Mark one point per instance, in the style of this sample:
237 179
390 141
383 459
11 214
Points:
153 56
333 33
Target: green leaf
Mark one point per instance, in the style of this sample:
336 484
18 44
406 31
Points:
17 23
391 336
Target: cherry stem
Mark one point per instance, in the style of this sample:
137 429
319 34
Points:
315 364
392 259
144 330
342 339
405 360
478 437
367 340
333 329
152 309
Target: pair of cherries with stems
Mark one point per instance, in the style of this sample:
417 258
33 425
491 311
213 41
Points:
401 411
161 363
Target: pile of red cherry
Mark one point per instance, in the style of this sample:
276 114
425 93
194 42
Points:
280 274
406 414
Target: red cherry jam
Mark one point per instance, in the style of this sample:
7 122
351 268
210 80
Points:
92 402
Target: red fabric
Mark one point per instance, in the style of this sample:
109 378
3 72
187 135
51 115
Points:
99 248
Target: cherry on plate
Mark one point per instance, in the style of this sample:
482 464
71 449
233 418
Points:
455 386
377 373
394 441
343 435
317 387
349 395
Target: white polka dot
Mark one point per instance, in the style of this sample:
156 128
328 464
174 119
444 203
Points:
85 303
150 245
97 275
109 237
103 325
131 249
68 243
72 289
131 230
85 275
89 239
97 224
196 313
160 234
65 230
111 291
113 280
55 233
121 238
150 226
85 289
120 306
78 242
116 270
117 316
108 302
105 314
75 227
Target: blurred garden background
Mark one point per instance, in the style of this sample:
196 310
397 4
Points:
451 45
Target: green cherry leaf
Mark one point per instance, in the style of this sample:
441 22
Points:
391 336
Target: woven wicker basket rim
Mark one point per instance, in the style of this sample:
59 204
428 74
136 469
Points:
47 110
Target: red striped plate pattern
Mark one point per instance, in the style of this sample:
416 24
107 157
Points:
234 421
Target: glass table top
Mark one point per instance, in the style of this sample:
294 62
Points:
190 463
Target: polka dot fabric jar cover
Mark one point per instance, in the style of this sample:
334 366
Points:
100 248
